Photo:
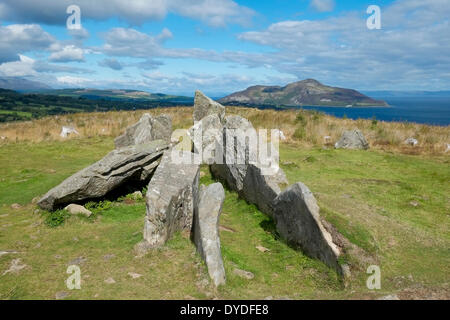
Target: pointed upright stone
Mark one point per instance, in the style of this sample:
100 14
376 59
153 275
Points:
172 196
146 130
206 230
205 106
297 219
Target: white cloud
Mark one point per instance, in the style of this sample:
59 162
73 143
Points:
67 54
21 68
73 81
323 5
22 38
133 43
213 12
406 53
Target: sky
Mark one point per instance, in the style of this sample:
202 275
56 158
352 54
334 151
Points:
223 46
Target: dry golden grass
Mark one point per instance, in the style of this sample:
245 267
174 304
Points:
303 128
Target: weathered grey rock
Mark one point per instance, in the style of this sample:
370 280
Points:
234 168
261 190
134 163
146 130
15 267
67 131
7 252
244 173
206 136
204 106
134 275
389 297
206 230
77 209
137 195
61 295
110 281
353 139
412 142
162 127
297 219
172 195
243 274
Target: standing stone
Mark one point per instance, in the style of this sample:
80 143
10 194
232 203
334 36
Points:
204 106
146 130
231 169
244 173
298 221
206 230
134 163
172 195
353 139
206 136
261 190
162 127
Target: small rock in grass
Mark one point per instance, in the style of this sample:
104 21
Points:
16 206
262 249
223 228
109 256
346 271
412 142
15 267
110 281
7 252
134 275
137 195
389 297
142 248
77 261
77 209
244 274
414 204
61 295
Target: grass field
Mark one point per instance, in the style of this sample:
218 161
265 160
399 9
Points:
394 206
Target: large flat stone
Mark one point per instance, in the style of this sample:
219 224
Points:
206 230
134 163
172 195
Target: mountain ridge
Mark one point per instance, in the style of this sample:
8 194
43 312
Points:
308 92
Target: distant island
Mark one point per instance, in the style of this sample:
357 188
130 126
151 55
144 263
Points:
117 94
307 92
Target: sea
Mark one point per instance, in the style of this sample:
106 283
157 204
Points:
426 110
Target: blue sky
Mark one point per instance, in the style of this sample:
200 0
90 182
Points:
221 46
